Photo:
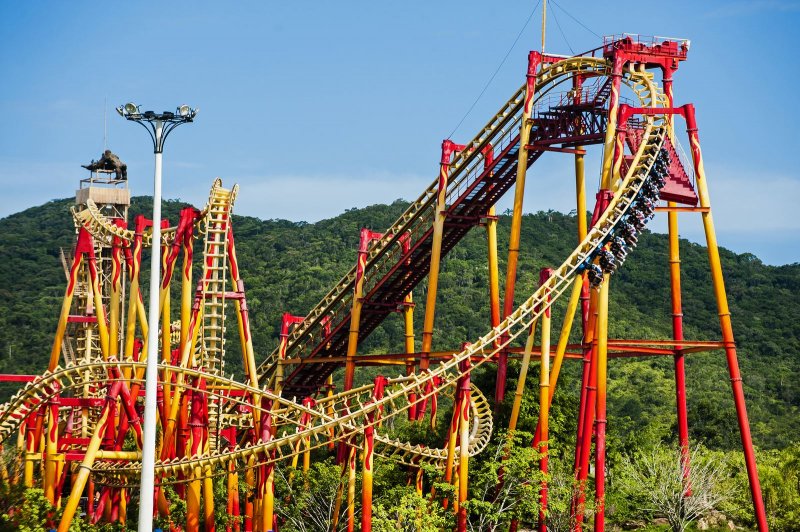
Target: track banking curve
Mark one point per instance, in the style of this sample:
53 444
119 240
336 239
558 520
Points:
472 187
351 412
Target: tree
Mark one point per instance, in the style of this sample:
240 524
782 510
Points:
493 504
305 501
657 477
403 510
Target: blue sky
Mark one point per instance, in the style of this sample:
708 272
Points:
316 107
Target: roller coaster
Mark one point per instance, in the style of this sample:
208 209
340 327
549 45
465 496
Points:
78 426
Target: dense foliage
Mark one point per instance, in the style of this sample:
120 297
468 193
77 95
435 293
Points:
288 266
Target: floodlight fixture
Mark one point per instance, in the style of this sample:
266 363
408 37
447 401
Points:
158 126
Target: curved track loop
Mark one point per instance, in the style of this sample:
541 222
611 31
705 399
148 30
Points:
104 230
347 414
499 134
329 413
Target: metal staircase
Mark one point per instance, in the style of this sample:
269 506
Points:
560 119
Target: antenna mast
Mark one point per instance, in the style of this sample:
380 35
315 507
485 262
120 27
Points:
544 21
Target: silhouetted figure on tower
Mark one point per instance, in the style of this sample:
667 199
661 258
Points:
110 163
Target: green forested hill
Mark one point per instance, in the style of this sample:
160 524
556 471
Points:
288 266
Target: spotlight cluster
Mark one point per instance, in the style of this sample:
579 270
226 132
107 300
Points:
625 235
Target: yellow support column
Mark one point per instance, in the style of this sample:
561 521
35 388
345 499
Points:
366 473
463 462
85 468
534 59
66 305
51 451
544 402
351 489
408 325
523 375
725 320
494 277
114 299
366 238
600 405
448 149
574 298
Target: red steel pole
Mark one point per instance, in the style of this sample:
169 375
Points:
725 321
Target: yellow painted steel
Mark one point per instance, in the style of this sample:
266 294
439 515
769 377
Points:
523 375
210 461
602 373
609 143
85 469
135 304
463 462
544 409
544 377
187 294
574 298
269 499
166 334
51 450
580 193
66 305
436 253
452 436
114 301
408 325
367 465
351 489
519 193
208 489
355 322
99 308
193 490
250 480
494 278
723 311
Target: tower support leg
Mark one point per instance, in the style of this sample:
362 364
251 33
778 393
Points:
366 474
677 335
463 463
448 148
725 321
544 404
600 407
534 59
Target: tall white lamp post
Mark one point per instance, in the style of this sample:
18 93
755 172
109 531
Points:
158 126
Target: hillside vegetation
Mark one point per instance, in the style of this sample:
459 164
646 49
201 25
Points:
288 266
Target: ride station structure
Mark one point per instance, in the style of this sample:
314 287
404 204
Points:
78 425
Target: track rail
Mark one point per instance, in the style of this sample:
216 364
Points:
104 230
472 188
349 413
